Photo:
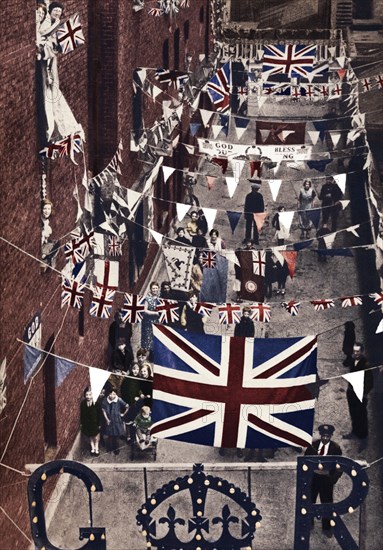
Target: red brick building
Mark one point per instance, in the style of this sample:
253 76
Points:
40 421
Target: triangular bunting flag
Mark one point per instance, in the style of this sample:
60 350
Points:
194 127
286 219
277 251
231 185
98 377
314 136
167 171
274 188
353 230
182 210
216 129
291 259
321 127
344 204
141 73
379 327
314 216
210 214
342 73
189 148
156 91
240 125
261 100
230 256
210 181
237 166
206 116
264 134
332 50
132 197
340 179
156 236
285 134
234 218
335 137
329 239
356 379
259 219
341 61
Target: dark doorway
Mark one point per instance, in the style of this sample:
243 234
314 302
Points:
50 424
165 54
362 9
177 49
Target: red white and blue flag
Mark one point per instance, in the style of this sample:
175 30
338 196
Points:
292 307
65 147
291 59
219 88
204 308
259 262
73 287
166 76
209 259
349 301
233 391
133 308
229 314
114 246
321 305
377 297
70 35
78 248
260 312
106 273
168 310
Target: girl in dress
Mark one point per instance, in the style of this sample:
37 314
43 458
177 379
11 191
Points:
90 419
150 316
214 284
114 409
305 202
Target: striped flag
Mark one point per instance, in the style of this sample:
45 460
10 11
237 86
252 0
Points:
261 312
70 35
229 314
321 305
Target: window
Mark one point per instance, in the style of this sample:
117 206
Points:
186 30
177 49
201 15
165 54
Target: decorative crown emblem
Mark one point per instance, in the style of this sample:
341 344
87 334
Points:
166 526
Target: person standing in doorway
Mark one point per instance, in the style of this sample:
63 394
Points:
254 204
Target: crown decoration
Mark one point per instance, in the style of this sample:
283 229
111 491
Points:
198 484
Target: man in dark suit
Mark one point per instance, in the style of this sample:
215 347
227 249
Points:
330 195
358 408
253 204
324 480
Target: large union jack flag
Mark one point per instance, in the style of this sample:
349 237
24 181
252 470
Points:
233 391
291 59
133 309
219 88
70 35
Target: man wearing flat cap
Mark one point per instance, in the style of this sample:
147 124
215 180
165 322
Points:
324 480
253 205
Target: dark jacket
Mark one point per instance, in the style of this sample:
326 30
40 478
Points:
333 450
253 204
245 328
330 194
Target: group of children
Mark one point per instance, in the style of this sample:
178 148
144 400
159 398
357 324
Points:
194 232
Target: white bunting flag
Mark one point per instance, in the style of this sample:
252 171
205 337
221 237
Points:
216 129
314 136
332 50
368 162
210 214
286 133
167 171
353 230
335 137
356 379
132 197
231 185
380 327
156 91
182 210
277 253
156 236
141 73
286 219
329 239
341 61
274 188
341 181
344 204
206 116
239 130
189 148
98 378
237 166
230 256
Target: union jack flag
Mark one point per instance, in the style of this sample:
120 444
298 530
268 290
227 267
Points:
219 88
292 307
261 312
349 301
377 297
209 259
157 12
233 391
70 35
229 314
63 148
73 287
291 59
320 305
102 302
178 78
79 246
168 310
114 246
366 84
204 308
134 306
379 80
259 262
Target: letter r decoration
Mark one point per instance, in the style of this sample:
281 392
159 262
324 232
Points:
95 535
305 510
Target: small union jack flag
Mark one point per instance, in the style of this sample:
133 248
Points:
63 148
229 314
114 246
133 308
156 12
184 3
320 305
102 302
178 78
323 90
79 246
366 84
336 90
291 59
349 301
261 312
72 293
70 35
379 80
209 259
377 297
259 262
219 88
204 308
168 310
292 307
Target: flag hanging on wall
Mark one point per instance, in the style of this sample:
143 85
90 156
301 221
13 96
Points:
233 391
291 59
179 264
219 88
